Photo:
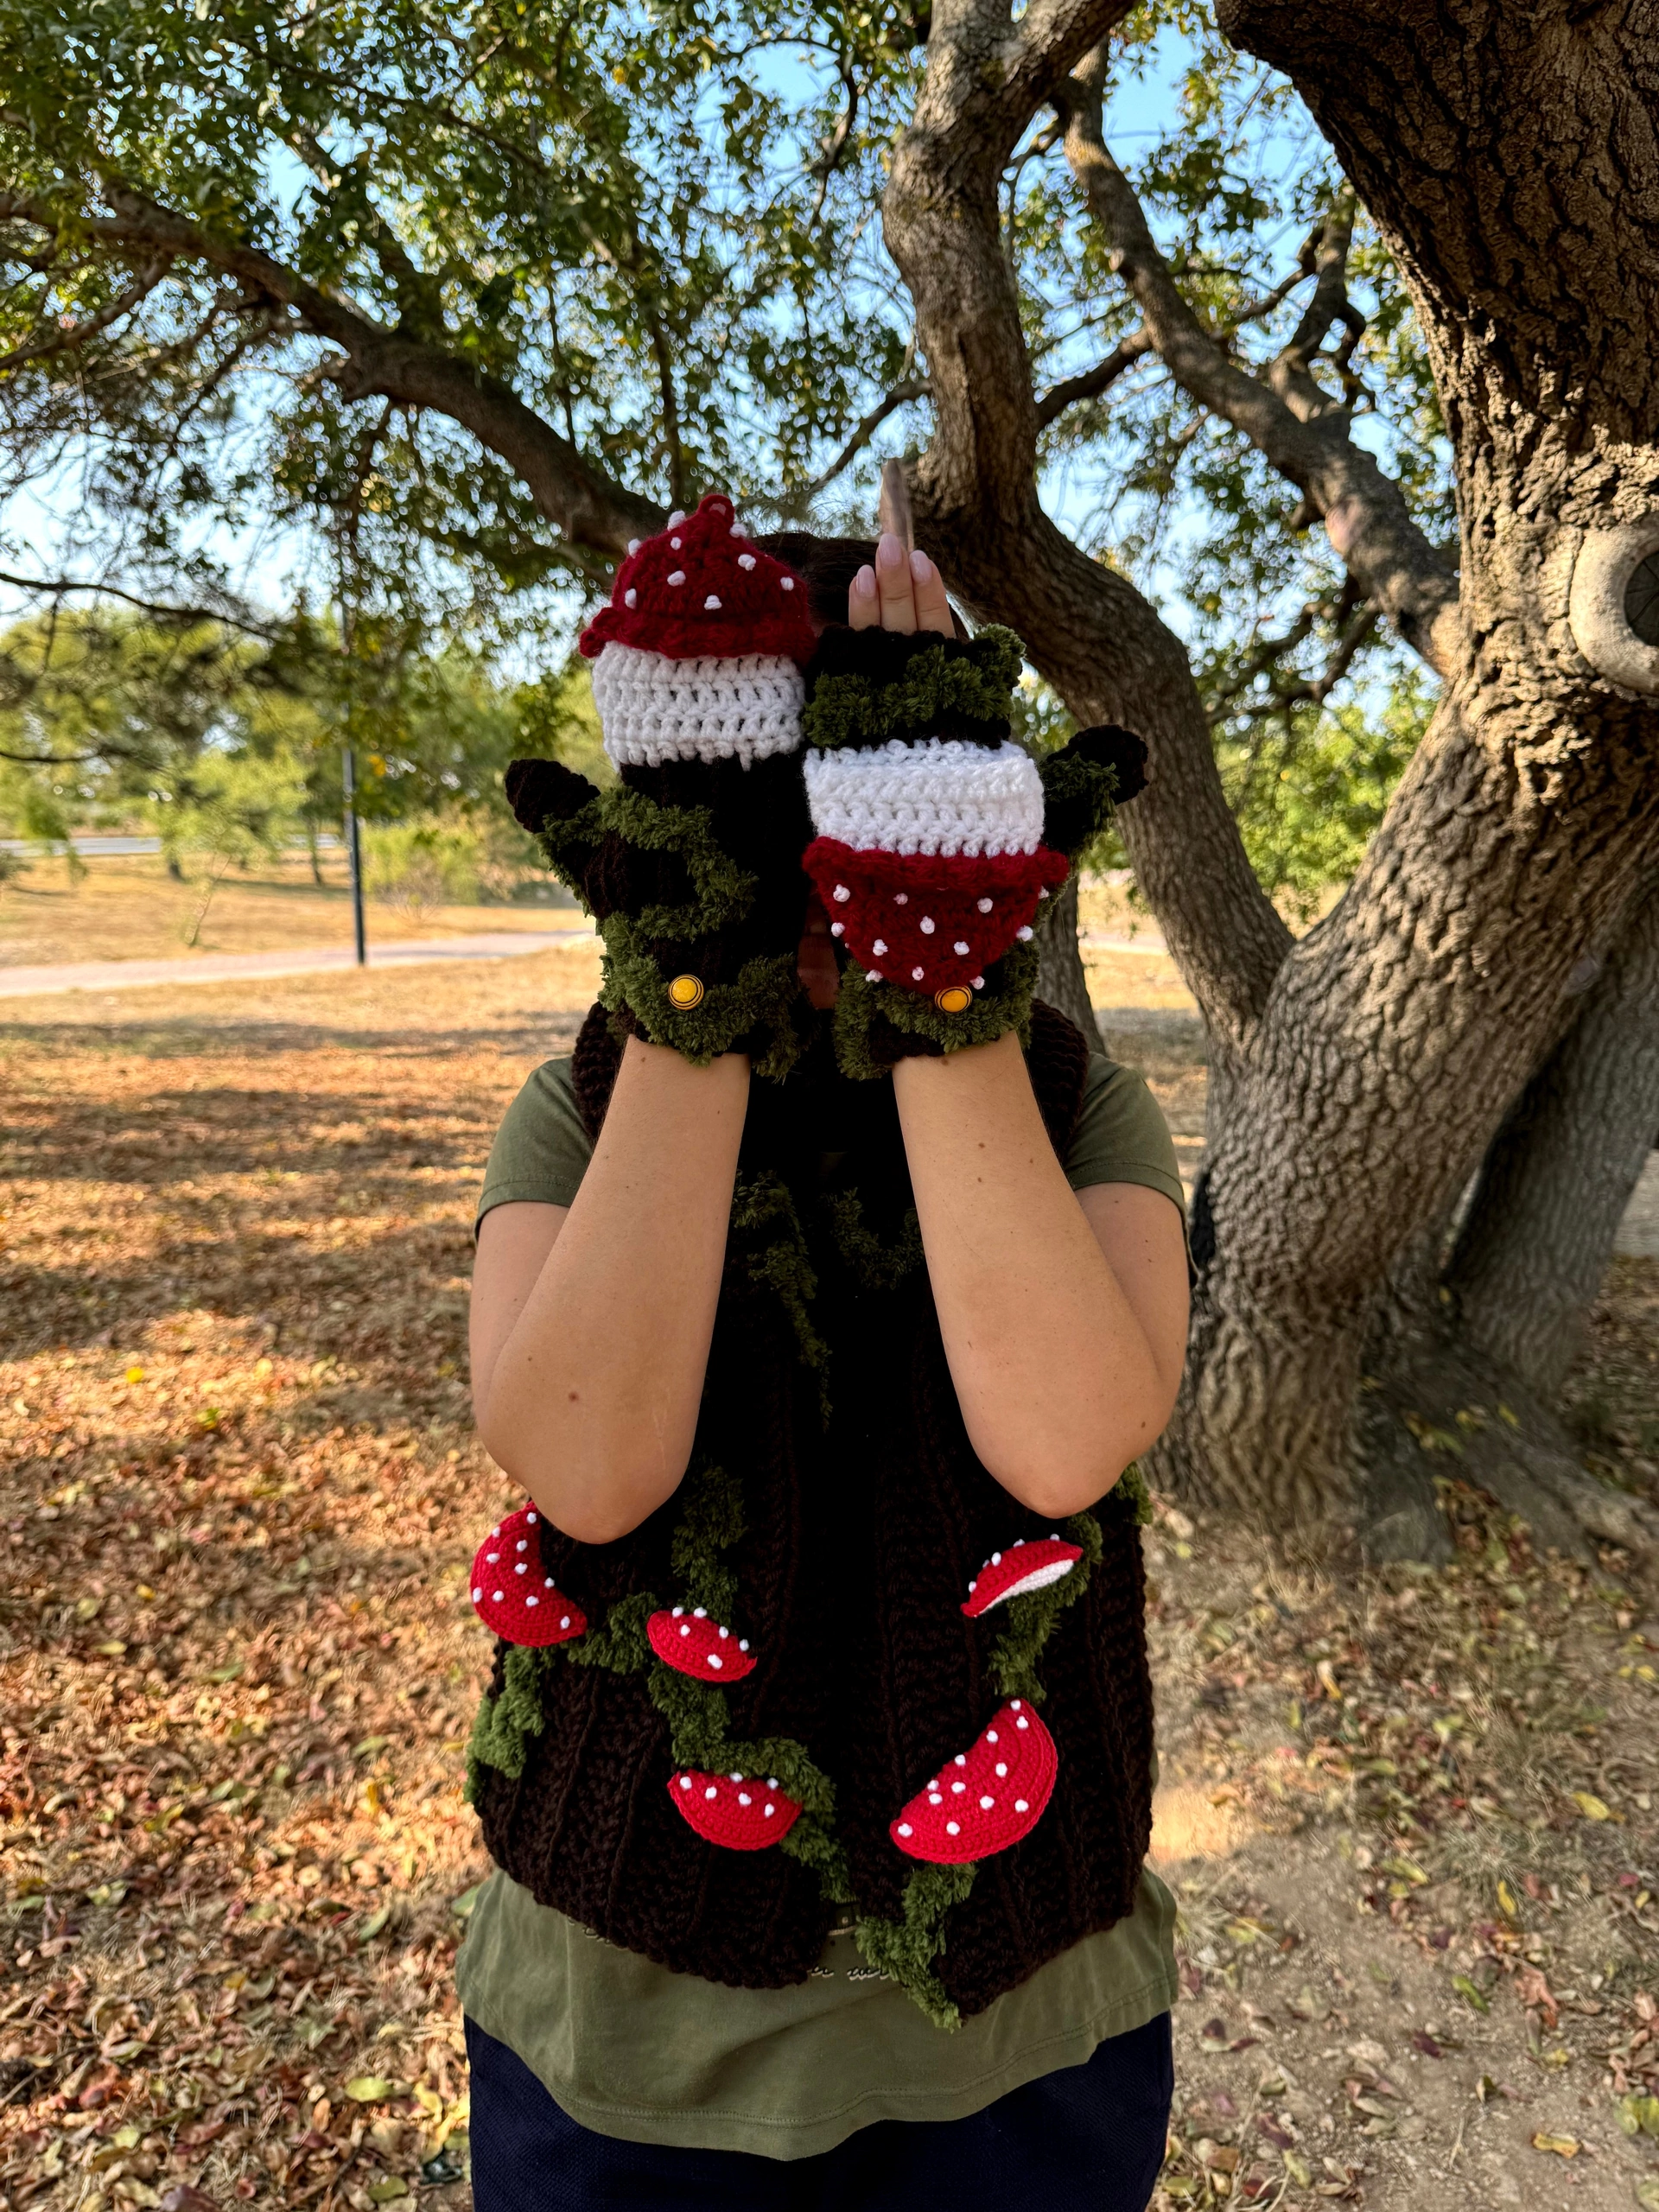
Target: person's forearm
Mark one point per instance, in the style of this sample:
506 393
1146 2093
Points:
592 1400
1057 1381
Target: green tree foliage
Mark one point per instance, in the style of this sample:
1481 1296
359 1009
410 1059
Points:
606 257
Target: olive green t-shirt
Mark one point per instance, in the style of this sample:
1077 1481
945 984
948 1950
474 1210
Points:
633 2050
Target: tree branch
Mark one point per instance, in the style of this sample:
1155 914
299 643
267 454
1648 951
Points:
901 396
61 587
1098 640
1090 384
593 514
62 341
1364 512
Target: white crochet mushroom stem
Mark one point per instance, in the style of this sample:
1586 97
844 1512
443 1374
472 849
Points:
942 796
653 709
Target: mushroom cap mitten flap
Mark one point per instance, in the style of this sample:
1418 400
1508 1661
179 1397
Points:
698 654
691 862
930 856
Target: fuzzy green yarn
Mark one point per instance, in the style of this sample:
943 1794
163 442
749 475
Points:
503 1723
773 1246
1031 1619
991 1016
873 1265
759 1004
907 691
711 1523
904 1949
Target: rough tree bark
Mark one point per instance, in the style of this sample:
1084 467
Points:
1367 1066
1558 1177
1060 977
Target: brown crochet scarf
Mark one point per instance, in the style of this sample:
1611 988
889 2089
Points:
834 1515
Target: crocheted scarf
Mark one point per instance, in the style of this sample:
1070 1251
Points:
837 1524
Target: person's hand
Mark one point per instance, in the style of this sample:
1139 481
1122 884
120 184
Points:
903 592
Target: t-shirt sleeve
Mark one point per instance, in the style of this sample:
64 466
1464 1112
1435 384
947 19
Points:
541 1150
1121 1136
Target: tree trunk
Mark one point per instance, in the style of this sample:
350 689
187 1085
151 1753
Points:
1061 980
1535 1243
1364 1068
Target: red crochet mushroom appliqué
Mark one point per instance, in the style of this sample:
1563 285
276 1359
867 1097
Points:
949 915
1023 1566
688 1641
740 1812
511 1595
701 588
984 1799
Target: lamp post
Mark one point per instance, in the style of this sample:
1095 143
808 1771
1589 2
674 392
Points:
354 854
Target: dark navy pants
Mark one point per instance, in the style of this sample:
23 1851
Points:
1089 2139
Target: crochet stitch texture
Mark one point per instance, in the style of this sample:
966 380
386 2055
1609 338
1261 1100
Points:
653 708
700 588
941 796
845 1533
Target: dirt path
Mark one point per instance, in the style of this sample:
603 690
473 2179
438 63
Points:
238 1493
25 983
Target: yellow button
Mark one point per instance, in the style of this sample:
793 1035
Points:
685 992
956 1000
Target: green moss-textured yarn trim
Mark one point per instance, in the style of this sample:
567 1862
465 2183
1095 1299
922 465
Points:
1129 1495
757 1008
763 1218
619 1643
908 695
699 1737
569 843
991 1016
722 892
904 1949
1077 795
503 1724
1031 1620
711 1523
873 1265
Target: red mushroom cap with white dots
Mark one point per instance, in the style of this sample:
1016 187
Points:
700 588
511 1594
1022 1567
739 1812
687 1640
986 1799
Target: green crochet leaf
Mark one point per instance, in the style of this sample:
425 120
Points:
991 1016
1030 1620
910 692
904 1949
874 1265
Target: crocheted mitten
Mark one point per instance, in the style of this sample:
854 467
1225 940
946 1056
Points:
690 864
938 837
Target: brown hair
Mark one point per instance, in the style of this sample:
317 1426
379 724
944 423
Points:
827 565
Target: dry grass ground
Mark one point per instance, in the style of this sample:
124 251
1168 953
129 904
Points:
127 907
1409 1818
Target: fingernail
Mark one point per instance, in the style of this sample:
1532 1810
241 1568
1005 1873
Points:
889 553
920 567
864 582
